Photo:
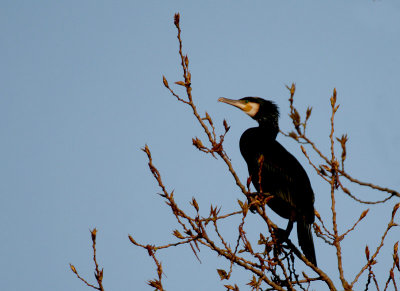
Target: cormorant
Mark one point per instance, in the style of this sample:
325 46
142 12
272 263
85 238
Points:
280 173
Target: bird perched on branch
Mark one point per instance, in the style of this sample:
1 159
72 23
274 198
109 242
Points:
273 170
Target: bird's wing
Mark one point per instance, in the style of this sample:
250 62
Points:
285 178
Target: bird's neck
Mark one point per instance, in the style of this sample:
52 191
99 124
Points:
269 127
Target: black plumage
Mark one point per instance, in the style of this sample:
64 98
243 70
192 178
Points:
279 172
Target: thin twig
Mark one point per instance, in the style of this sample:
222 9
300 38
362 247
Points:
372 260
97 272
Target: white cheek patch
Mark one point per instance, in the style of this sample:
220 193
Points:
252 108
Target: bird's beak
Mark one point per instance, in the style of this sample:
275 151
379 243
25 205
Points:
237 103
251 108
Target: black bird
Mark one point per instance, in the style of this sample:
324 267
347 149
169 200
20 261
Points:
279 172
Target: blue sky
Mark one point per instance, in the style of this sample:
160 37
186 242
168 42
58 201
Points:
81 92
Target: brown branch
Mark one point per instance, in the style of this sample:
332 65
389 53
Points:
392 269
98 273
155 248
239 262
329 234
312 164
324 277
363 214
222 216
322 235
301 136
347 191
216 146
372 261
371 275
373 186
334 166
240 229
73 269
197 224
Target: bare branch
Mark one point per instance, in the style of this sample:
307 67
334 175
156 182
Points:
97 272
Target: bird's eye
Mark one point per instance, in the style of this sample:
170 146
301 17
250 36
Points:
246 101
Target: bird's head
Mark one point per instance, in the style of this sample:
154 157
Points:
265 112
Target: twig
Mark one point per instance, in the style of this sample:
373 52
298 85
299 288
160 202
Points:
98 273
363 214
373 186
372 260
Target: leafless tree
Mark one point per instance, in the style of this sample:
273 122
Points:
269 262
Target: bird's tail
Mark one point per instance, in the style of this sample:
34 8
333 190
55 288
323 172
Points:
306 241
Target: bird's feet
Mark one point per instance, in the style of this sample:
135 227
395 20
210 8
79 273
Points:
281 235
